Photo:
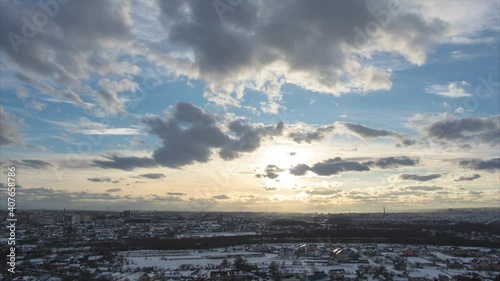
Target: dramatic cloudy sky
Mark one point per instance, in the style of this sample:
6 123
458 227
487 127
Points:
323 106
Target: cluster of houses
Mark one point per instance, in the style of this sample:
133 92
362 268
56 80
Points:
290 262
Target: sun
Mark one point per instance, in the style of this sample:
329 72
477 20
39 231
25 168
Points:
284 155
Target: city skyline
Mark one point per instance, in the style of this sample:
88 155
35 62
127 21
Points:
251 106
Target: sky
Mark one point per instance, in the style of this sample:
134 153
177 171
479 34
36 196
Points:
261 106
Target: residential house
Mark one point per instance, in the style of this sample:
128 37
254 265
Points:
216 275
400 265
341 255
457 252
409 253
350 277
454 263
318 276
148 277
480 264
336 274
415 276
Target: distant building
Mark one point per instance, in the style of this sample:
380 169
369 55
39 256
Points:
129 214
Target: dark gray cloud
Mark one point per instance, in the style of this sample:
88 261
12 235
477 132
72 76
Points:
407 142
468 177
31 163
323 191
9 134
190 135
151 176
329 167
111 190
69 44
393 162
102 179
248 137
367 133
336 166
271 172
176 193
466 130
126 163
221 197
416 177
315 43
317 134
491 165
299 170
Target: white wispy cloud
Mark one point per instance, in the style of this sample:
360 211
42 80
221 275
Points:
457 89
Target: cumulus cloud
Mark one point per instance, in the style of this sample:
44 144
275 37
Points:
338 165
111 190
465 130
190 134
452 90
468 177
309 136
299 170
416 177
326 47
271 172
77 40
248 137
185 146
201 134
9 134
329 167
313 46
490 165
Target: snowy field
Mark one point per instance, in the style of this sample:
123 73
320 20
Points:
186 262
